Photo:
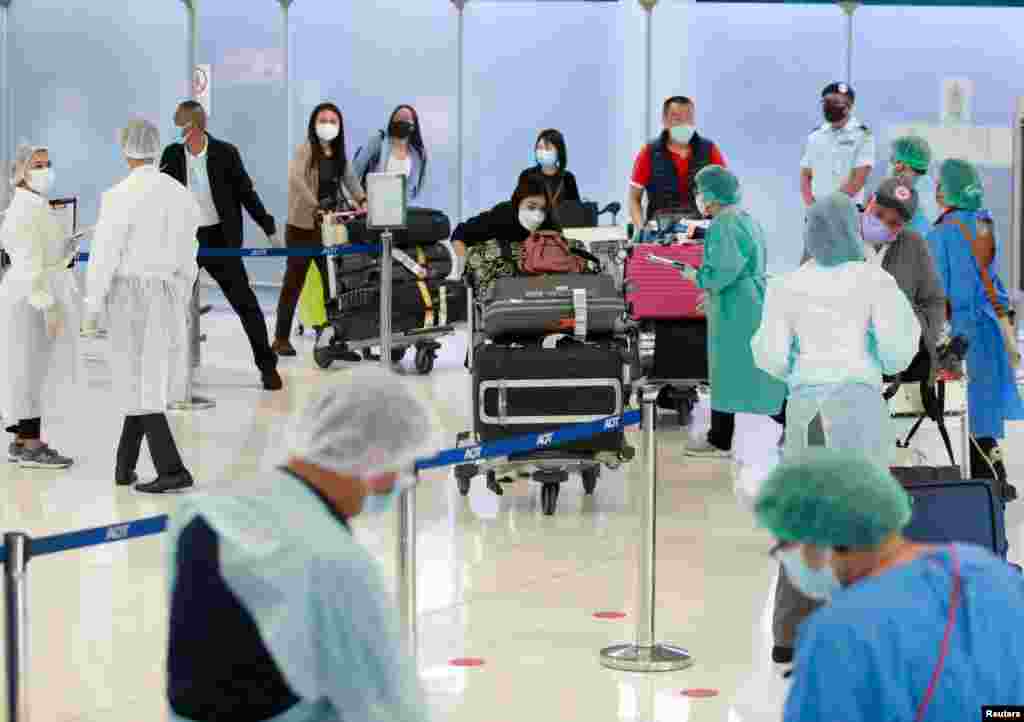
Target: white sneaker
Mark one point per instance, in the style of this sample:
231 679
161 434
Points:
701 447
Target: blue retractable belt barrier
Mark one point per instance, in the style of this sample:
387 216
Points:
531 442
274 252
150 526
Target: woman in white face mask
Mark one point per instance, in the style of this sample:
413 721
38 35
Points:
553 167
320 178
39 314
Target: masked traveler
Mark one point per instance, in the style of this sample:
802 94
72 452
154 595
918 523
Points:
831 329
910 631
276 612
399 149
840 153
666 167
214 173
911 158
39 315
141 272
965 249
552 166
891 242
733 278
318 177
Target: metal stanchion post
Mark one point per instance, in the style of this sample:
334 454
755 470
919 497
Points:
385 297
646 655
965 435
406 560
192 402
15 598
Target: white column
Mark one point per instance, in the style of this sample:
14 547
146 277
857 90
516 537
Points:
286 31
848 10
460 103
1014 254
192 6
6 101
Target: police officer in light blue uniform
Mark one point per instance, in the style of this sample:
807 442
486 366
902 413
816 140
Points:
840 153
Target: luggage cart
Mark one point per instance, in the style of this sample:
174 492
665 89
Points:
330 344
550 468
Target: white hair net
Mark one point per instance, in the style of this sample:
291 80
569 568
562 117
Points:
140 140
374 423
22 158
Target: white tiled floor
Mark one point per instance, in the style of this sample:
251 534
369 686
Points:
498 580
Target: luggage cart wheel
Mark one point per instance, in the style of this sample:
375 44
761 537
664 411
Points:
684 410
397 354
549 498
493 485
323 356
590 477
425 359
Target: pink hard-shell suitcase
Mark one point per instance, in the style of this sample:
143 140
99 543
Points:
655 291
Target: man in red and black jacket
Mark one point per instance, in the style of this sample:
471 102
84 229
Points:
666 166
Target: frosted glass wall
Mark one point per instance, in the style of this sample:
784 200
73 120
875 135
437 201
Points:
78 76
241 39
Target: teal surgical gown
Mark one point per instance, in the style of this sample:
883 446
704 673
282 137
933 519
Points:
869 655
733 274
992 396
275 573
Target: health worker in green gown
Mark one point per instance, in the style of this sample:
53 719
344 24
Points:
733 279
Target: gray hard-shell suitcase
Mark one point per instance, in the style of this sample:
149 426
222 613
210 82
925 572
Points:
582 304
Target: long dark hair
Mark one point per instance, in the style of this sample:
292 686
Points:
415 140
532 184
337 145
555 138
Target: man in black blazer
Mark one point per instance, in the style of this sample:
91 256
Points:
213 171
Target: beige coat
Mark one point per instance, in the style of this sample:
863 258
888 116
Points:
303 182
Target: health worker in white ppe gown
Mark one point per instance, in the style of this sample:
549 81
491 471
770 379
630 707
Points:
39 313
141 271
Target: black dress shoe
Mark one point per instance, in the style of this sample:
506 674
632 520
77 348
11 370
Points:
272 381
168 483
123 479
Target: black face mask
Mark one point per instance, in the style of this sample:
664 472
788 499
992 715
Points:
401 129
834 112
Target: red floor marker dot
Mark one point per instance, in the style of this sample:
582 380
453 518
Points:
467 662
699 693
609 615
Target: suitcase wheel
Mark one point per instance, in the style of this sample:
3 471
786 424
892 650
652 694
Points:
493 485
324 356
426 353
549 498
590 477
464 477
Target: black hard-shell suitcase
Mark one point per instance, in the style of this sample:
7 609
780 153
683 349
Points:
358 314
576 214
424 226
681 349
524 306
951 509
521 391
356 270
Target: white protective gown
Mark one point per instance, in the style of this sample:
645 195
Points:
37 373
141 270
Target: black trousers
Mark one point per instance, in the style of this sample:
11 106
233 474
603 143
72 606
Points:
231 276
157 432
295 277
723 427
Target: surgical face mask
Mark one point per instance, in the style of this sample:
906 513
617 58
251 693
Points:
401 129
819 584
379 503
327 131
681 134
835 112
547 158
40 180
874 231
531 218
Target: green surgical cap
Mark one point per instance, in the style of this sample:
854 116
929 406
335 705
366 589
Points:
717 184
832 232
913 151
832 498
961 185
